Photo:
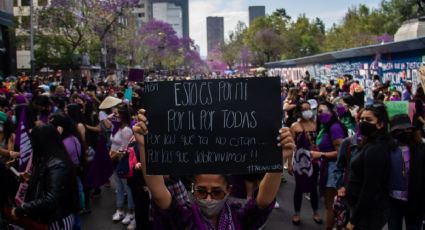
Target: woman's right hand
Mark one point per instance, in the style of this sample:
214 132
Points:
140 127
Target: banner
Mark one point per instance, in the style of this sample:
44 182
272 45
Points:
397 107
136 75
25 156
221 126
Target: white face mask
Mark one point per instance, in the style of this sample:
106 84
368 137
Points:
307 115
211 208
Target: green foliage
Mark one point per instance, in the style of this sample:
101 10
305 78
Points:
278 36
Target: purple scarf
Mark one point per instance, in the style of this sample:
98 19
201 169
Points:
226 219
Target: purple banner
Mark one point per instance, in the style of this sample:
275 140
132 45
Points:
136 75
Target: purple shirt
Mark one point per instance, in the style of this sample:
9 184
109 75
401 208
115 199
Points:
73 147
328 167
183 214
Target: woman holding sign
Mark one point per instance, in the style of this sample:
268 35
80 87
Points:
211 208
303 167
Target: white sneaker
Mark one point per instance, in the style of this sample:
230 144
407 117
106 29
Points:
276 205
127 219
118 215
132 225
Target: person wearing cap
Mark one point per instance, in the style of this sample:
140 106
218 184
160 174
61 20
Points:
407 176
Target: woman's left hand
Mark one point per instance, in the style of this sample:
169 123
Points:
286 141
349 226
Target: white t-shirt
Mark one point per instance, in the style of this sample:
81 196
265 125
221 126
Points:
121 139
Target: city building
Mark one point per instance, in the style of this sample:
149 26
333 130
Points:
143 12
172 12
21 11
215 32
256 12
7 37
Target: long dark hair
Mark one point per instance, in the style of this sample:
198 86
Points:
43 151
334 120
75 113
69 129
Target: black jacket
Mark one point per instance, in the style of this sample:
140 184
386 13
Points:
367 190
54 195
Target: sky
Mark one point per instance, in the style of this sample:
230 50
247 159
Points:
330 11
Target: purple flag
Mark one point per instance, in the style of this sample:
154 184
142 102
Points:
136 75
25 157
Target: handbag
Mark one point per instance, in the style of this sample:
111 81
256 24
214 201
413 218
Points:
341 211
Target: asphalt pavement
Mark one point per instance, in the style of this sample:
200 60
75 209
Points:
104 206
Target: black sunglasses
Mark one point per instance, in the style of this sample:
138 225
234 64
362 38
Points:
215 194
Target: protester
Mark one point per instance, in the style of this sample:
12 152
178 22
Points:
304 169
367 190
407 92
289 106
345 109
7 153
72 142
211 208
119 144
407 176
419 116
331 133
52 196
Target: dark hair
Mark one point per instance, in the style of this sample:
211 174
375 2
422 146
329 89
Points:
43 151
75 113
349 100
334 120
376 77
125 115
298 108
225 177
42 100
64 121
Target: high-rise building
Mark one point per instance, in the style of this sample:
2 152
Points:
256 12
142 12
7 35
21 10
215 32
171 14
172 11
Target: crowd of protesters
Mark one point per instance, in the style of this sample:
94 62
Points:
338 142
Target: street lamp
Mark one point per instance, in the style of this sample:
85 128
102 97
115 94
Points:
32 60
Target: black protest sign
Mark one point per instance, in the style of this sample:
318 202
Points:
221 126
